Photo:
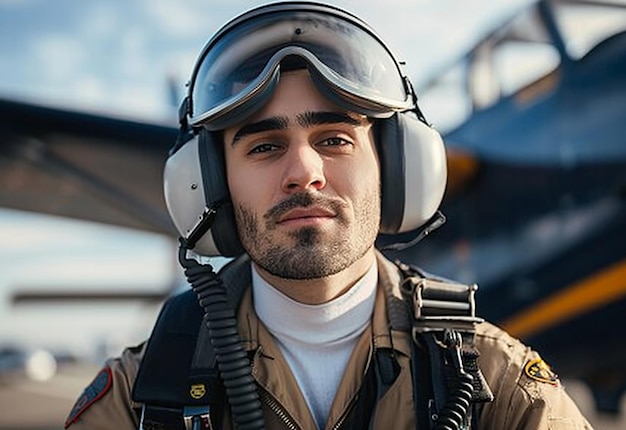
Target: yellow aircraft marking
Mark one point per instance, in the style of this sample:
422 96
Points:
581 297
540 87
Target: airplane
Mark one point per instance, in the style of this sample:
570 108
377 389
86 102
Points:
535 200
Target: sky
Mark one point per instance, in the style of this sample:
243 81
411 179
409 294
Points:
117 56
120 58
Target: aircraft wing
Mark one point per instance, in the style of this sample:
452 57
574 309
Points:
84 166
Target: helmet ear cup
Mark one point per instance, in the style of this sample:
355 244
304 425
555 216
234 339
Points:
215 184
392 174
413 172
194 179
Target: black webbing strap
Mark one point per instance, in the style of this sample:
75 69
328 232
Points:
422 386
161 384
162 375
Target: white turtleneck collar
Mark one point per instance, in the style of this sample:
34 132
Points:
317 340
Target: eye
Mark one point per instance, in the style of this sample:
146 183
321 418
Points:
264 148
335 141
336 145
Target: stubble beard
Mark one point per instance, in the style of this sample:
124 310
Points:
312 254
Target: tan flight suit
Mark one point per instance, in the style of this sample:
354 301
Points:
521 401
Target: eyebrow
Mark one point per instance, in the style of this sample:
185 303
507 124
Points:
306 119
267 124
309 119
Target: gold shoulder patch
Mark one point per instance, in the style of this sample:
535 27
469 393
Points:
539 370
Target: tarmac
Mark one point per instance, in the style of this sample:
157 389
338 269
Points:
35 405
32 405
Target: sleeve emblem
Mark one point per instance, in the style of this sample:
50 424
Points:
94 391
539 370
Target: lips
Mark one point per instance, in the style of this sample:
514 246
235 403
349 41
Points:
306 213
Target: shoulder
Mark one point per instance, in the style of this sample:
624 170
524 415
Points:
106 400
502 357
109 393
527 392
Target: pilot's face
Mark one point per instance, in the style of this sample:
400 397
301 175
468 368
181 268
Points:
305 183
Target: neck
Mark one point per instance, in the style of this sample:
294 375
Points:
321 290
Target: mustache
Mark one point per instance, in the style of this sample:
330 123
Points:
302 200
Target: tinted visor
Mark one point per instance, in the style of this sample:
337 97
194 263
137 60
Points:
239 67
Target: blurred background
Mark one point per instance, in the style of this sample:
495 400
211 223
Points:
530 97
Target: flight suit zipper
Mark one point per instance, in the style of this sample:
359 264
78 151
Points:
355 398
275 406
286 419
278 409
345 414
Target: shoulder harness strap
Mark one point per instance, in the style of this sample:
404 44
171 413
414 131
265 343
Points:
178 379
443 329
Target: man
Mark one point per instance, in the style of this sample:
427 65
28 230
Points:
300 143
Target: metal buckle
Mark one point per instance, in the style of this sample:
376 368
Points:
440 305
197 418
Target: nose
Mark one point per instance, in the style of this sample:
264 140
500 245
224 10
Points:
304 169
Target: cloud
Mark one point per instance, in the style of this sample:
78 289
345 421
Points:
171 19
95 21
182 20
57 56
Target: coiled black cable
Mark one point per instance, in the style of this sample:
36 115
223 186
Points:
455 411
232 361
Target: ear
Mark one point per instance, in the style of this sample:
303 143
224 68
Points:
413 172
194 178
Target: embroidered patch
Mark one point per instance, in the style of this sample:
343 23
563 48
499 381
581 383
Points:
94 391
539 370
197 391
